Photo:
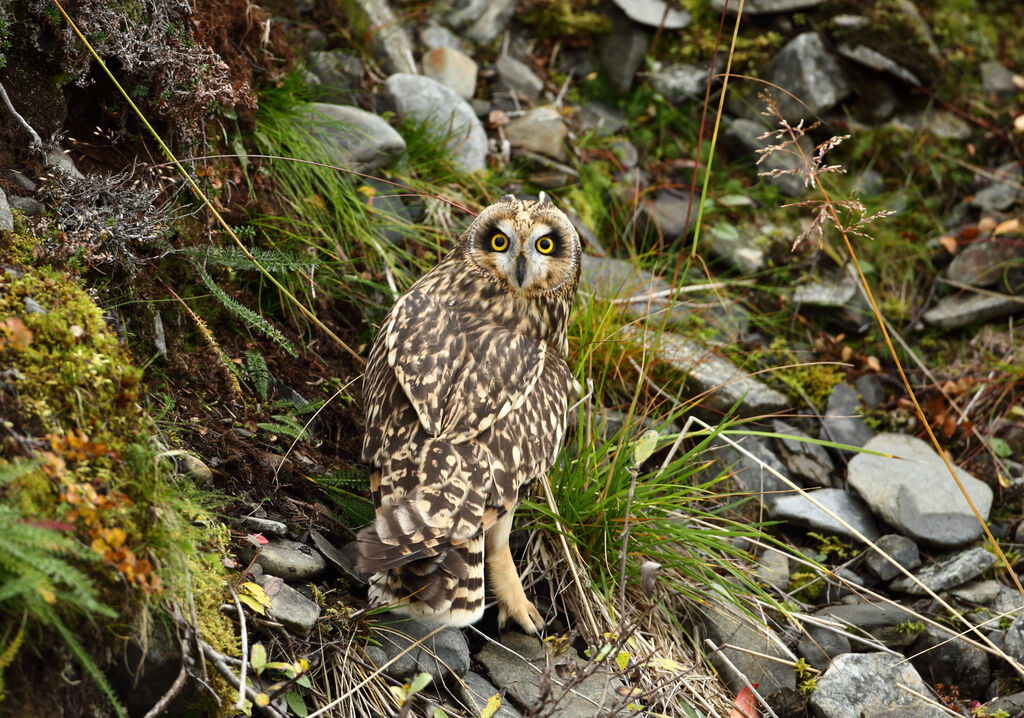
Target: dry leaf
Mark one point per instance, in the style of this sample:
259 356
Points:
1018 123
987 224
948 243
1010 225
873 364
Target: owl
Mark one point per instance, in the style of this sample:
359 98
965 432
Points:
467 393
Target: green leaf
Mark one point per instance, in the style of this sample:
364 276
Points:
645 446
438 713
736 200
1000 448
297 705
303 681
258 657
419 683
622 659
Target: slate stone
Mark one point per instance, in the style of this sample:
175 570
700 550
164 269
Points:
799 510
902 549
622 52
820 645
738 247
492 21
773 569
986 263
293 610
679 83
743 136
60 160
518 77
339 73
28 206
33 307
264 526
345 559
867 616
948 572
842 422
914 492
875 60
21 180
654 13
806 69
449 115
435 36
668 213
389 36
961 310
997 197
6 218
871 390
942 124
941 657
453 69
858 682
746 473
764 7
1013 642
291 560
603 119
997 79
541 130
805 460
979 592
353 138
869 183
474 691
442 654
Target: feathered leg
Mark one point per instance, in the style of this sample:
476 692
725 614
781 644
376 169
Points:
505 582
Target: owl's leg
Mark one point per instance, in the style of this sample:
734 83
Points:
508 588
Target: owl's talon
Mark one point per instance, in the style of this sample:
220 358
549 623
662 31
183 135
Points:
525 614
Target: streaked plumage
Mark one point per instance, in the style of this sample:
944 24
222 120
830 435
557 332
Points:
466 394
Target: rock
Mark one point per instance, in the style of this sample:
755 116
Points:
667 211
914 492
21 180
435 36
492 21
1012 704
518 77
345 559
721 382
799 510
27 206
1013 643
193 467
625 152
451 68
873 618
985 263
997 79
873 59
869 182
961 310
944 125
903 550
871 391
838 294
293 610
353 138
857 682
142 675
444 653
808 71
339 73
941 657
515 665
744 138
979 592
264 526
764 7
291 560
805 460
725 623
541 130
821 645
737 247
464 13
773 569
747 473
60 160
389 35
679 83
603 119
842 422
449 115
948 572
1007 601
387 204
33 307
474 691
997 197
654 13
622 51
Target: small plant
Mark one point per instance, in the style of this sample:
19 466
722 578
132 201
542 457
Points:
274 678
806 677
831 546
910 627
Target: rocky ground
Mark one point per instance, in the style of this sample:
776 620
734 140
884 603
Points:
881 586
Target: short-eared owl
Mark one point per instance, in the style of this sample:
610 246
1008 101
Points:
467 392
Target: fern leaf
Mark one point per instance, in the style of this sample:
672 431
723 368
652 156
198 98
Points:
256 366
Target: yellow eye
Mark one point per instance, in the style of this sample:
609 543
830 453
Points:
499 242
545 245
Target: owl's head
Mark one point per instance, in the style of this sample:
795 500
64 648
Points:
529 247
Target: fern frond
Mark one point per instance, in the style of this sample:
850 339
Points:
273 260
283 425
88 665
256 366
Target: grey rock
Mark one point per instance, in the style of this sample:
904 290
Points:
743 136
452 68
997 79
1007 601
807 70
900 548
871 58
435 36
960 311
820 645
871 391
193 467
60 160
914 492
625 152
293 610
464 13
806 460
799 510
376 655
869 182
450 115
33 307
679 83
492 21
764 7
6 218
654 13
842 422
838 294
622 51
725 623
338 71
518 77
747 473
291 560
345 559
668 213
352 137
773 569
474 691
944 125
980 592
389 207
541 130
264 526
721 382
941 657
515 665
948 572
1013 642
28 206
1012 704
869 617
985 263
389 35
603 119
737 247
997 197
142 675
444 653
857 682
21 180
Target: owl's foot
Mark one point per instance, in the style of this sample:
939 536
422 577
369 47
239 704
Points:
508 589
522 612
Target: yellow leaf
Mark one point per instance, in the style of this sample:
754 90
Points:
622 659
255 591
254 605
1010 225
492 706
262 699
115 537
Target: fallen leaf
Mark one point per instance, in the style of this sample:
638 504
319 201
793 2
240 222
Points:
1010 225
987 224
745 704
1018 123
948 243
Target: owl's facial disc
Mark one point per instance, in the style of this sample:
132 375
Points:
523 261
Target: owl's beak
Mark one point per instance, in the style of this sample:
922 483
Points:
520 269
